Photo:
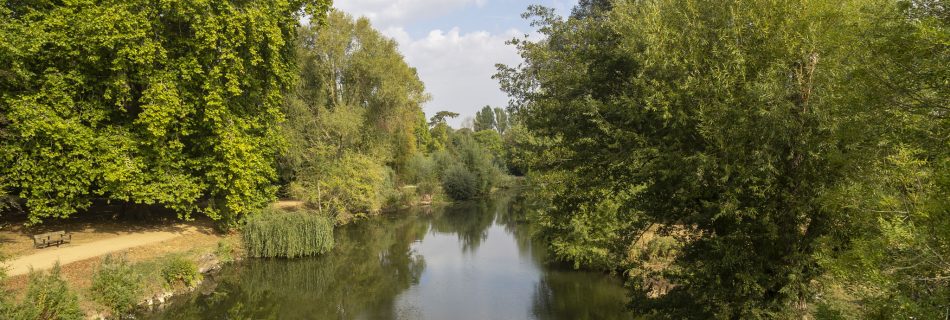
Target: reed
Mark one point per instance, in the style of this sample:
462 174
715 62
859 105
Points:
287 235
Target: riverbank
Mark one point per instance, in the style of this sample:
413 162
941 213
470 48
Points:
145 245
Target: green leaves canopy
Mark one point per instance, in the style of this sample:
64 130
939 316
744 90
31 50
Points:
167 102
736 127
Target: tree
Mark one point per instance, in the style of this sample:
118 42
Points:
440 129
724 125
441 116
354 116
894 260
148 102
484 119
501 120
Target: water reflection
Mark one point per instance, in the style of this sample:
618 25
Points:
470 261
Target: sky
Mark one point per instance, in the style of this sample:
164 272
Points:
454 44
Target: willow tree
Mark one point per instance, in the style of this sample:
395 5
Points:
896 264
155 102
726 125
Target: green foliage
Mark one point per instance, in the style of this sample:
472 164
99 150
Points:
224 251
354 118
287 235
48 297
402 197
477 159
440 117
117 285
501 120
423 136
179 270
460 183
155 103
352 184
597 232
421 169
491 119
263 288
492 142
897 264
485 119
894 261
522 149
757 130
440 130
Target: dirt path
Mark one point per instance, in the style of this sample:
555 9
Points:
46 258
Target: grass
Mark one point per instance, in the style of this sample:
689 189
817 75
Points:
278 234
117 286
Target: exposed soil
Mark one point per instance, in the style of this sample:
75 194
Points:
44 259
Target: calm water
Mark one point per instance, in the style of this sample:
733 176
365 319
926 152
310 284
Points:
469 261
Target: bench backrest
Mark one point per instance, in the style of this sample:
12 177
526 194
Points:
50 234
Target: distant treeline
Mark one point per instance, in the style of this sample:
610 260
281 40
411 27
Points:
745 159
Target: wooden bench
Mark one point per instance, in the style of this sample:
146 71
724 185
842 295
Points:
51 239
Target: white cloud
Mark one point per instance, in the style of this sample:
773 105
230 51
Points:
387 13
457 67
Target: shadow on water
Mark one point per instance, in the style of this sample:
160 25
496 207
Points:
474 260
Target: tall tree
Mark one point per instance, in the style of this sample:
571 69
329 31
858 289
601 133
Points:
501 120
440 129
150 102
895 261
484 119
726 125
356 110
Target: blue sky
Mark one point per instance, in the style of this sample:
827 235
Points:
493 16
454 44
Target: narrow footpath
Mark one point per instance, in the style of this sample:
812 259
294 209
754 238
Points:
47 258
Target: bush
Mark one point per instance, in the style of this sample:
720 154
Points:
352 184
180 270
402 197
428 188
421 169
224 252
117 286
460 183
287 235
48 297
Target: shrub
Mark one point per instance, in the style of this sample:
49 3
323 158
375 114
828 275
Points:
48 297
428 188
180 270
287 235
116 285
460 183
351 184
224 252
402 197
421 169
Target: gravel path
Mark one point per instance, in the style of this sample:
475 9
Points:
46 258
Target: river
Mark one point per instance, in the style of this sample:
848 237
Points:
474 260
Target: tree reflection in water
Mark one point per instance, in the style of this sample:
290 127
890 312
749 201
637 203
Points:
474 260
